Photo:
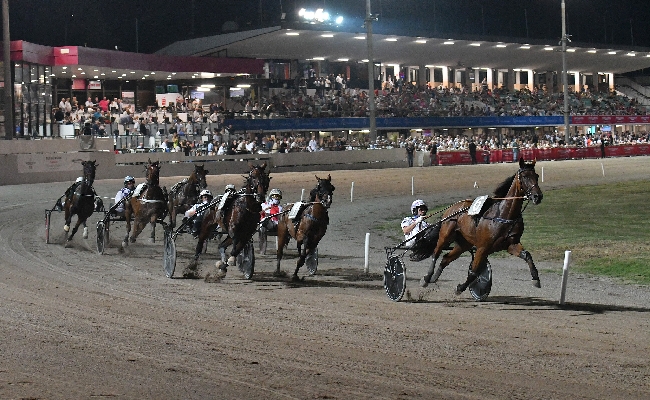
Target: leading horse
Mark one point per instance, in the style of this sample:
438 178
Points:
184 194
239 217
497 226
310 226
81 202
147 206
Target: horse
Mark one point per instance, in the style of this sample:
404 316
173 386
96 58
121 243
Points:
148 206
498 226
81 201
185 193
311 224
239 217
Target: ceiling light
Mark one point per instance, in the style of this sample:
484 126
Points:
96 77
95 70
319 58
293 34
113 71
360 37
525 47
611 52
64 67
343 59
448 42
548 48
327 35
502 46
631 54
243 85
571 50
366 60
133 72
208 85
64 72
153 73
591 51
102 74
203 89
79 69
420 41
475 44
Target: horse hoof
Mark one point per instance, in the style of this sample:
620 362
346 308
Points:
536 283
423 282
279 273
232 261
459 289
125 244
295 278
67 244
132 239
66 228
85 235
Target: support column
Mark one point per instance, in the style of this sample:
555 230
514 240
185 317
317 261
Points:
595 78
490 78
578 84
445 77
511 80
530 80
422 76
610 81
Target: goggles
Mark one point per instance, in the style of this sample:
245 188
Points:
277 197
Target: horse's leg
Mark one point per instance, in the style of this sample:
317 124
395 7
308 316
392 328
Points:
152 222
137 229
283 238
302 254
446 260
74 230
479 258
518 250
68 219
85 234
237 245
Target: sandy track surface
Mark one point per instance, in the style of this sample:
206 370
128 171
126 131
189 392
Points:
78 325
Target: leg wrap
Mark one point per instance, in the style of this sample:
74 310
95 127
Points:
525 255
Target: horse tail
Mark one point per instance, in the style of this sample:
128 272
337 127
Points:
424 243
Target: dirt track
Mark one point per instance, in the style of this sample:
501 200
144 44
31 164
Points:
77 325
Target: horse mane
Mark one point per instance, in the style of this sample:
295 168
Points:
504 187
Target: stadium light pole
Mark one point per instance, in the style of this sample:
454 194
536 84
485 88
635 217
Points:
371 76
6 55
565 76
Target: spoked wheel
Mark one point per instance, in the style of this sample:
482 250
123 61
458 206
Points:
395 278
246 260
312 262
169 255
48 217
102 237
481 287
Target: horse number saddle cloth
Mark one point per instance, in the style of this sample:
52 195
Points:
222 202
477 205
295 210
178 185
138 190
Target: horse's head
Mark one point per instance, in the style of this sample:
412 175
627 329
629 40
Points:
153 173
199 175
259 181
324 191
89 171
528 184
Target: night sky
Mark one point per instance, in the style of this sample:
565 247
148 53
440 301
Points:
109 23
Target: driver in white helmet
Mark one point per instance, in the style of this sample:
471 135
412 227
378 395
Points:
125 192
270 208
415 223
205 197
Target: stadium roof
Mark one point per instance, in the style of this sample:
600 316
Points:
279 43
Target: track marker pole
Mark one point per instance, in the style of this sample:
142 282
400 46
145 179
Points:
367 252
351 192
603 168
475 185
542 174
302 195
565 275
412 186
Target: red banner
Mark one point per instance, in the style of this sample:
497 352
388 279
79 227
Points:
546 154
610 119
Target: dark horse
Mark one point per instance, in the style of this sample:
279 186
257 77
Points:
81 202
185 193
238 218
311 224
149 206
497 226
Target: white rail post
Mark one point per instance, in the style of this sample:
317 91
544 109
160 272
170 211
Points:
351 192
412 186
367 252
302 195
603 168
542 174
565 275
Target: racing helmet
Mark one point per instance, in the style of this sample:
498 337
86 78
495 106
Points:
128 179
230 187
80 179
417 203
275 193
205 192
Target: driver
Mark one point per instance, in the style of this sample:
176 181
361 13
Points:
205 197
125 192
415 223
270 207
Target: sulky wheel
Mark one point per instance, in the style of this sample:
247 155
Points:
102 237
480 288
48 217
312 262
395 278
246 260
169 253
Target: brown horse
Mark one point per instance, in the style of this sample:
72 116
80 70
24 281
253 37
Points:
185 193
148 207
498 226
81 201
238 218
311 224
